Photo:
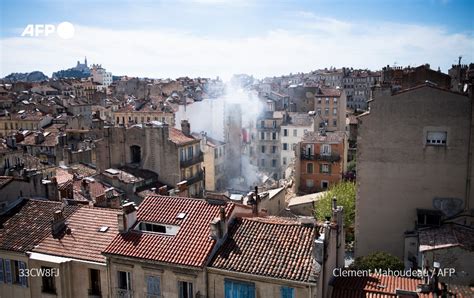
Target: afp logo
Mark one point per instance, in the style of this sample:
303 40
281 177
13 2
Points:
64 30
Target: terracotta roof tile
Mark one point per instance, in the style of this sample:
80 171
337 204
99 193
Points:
269 247
446 236
28 224
85 242
381 286
191 246
179 138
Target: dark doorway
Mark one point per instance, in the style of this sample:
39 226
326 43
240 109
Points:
135 154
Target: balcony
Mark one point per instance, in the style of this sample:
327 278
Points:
123 293
320 157
197 158
197 177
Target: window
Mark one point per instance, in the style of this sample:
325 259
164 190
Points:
185 289
334 111
274 149
326 111
10 272
274 124
285 132
274 135
94 282
335 99
318 110
287 292
325 168
327 100
190 152
262 136
310 168
284 161
238 289
334 122
309 183
263 149
216 153
262 124
428 217
274 163
319 100
436 138
285 146
324 184
153 288
325 149
262 163
49 283
293 147
181 155
148 227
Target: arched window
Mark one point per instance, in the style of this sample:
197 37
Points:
135 154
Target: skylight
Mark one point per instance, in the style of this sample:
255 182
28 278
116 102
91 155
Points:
103 229
181 215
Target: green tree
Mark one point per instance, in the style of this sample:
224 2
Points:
378 261
345 193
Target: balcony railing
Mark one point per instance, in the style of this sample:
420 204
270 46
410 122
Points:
194 160
197 177
123 293
320 157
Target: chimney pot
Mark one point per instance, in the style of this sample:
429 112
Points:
186 127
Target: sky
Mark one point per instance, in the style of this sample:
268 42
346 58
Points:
209 38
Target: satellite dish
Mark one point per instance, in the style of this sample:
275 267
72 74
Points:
465 88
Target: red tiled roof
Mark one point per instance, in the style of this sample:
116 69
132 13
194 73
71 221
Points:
179 138
28 224
373 286
63 176
268 247
446 236
379 286
85 242
192 244
333 92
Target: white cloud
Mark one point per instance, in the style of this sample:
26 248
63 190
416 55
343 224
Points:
314 43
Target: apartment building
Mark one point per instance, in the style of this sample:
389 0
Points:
330 108
414 166
214 162
295 126
173 154
321 160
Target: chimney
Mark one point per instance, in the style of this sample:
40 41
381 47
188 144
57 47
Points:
163 190
85 188
186 127
183 188
219 225
128 217
58 224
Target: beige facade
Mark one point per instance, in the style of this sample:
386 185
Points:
169 276
130 117
214 162
413 149
330 106
14 289
264 286
72 278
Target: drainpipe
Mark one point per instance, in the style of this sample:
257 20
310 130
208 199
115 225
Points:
469 154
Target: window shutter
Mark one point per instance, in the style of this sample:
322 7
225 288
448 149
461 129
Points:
2 276
23 278
149 284
180 287
157 285
8 273
320 168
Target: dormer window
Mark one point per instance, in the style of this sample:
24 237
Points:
158 228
